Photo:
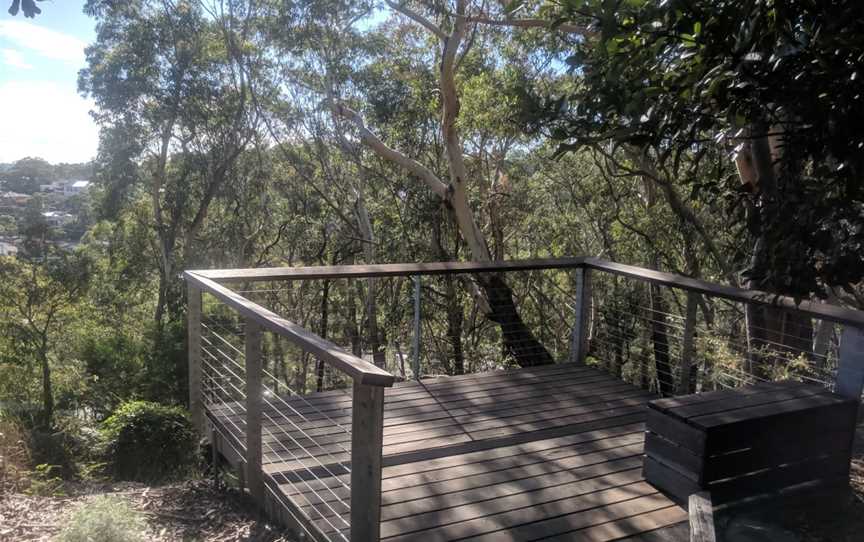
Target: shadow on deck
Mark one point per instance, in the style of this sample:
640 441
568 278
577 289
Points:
526 454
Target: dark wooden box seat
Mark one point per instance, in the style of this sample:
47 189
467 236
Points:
748 441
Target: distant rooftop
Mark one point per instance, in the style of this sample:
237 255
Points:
12 195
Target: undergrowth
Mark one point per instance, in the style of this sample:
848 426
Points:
104 519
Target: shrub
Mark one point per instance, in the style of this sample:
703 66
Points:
148 442
45 482
104 519
54 448
14 455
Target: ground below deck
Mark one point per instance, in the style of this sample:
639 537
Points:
526 454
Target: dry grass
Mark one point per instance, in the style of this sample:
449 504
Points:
192 510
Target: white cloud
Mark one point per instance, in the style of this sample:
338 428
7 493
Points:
14 59
47 120
43 41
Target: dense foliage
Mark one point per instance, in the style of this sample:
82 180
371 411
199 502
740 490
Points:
682 80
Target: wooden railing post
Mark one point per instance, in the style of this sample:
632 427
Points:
254 477
850 372
367 436
685 384
582 318
193 326
415 345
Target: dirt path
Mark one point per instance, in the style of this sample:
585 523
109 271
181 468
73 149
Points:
188 511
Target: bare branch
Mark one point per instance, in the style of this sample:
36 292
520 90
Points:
678 206
438 186
534 23
416 17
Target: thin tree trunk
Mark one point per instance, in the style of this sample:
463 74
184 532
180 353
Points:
772 336
322 331
455 320
47 390
455 315
660 342
373 338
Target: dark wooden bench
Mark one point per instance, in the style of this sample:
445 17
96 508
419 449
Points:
749 441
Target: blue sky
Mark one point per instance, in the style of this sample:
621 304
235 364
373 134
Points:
41 113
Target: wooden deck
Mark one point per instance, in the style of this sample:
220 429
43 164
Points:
542 453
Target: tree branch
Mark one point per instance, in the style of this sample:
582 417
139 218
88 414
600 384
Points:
679 207
534 23
438 186
423 21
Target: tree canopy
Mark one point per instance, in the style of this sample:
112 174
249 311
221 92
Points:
775 86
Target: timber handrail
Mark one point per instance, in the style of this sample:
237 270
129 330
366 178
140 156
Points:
823 311
384 270
360 370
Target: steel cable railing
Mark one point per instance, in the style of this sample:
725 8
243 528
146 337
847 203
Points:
669 335
279 453
296 433
635 324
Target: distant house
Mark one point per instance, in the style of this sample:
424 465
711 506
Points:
13 198
68 187
56 219
8 249
73 188
49 188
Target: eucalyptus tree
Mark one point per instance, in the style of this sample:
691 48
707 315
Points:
452 34
173 105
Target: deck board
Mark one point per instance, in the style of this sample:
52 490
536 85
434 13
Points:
522 454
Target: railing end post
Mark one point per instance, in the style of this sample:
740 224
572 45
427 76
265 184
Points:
367 439
850 372
254 398
193 325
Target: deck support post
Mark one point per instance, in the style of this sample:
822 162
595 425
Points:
193 330
254 479
367 438
850 373
415 346
686 382
582 317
